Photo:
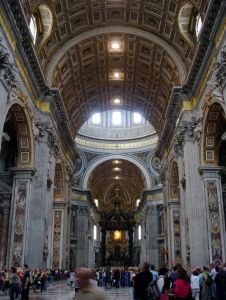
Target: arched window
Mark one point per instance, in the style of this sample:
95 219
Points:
96 202
139 232
33 28
95 232
198 25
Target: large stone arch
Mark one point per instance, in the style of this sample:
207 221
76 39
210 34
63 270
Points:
21 119
116 156
117 29
212 134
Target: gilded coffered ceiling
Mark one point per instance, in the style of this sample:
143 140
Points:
155 55
117 184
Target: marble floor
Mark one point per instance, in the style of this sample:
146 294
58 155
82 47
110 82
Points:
63 292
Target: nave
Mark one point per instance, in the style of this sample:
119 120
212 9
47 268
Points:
62 291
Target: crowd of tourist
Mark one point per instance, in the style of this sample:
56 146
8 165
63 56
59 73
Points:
17 282
206 283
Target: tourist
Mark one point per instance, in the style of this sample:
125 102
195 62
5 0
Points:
220 280
71 279
25 284
116 277
14 284
213 272
43 280
108 278
182 290
172 276
155 274
126 278
87 290
163 282
195 287
141 281
205 283
6 282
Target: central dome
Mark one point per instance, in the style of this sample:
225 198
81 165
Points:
117 126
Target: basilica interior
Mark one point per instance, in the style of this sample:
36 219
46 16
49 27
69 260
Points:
112 133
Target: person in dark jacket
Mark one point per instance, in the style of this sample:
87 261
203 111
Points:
220 280
141 281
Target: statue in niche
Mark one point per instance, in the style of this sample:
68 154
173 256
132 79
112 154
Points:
212 195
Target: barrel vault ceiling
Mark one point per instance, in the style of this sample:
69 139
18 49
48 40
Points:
117 182
81 64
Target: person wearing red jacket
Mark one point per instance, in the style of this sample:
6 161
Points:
182 290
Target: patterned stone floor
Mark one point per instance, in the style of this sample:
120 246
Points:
63 292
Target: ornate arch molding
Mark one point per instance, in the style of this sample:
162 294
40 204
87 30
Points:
106 158
213 115
117 29
21 118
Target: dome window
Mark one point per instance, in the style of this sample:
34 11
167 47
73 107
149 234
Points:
137 119
116 118
96 119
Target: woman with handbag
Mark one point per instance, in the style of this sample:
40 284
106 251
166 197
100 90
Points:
182 290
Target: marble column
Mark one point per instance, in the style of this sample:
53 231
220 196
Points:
215 212
40 214
195 203
152 234
20 210
185 245
81 234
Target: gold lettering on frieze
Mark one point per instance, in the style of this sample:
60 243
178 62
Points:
116 146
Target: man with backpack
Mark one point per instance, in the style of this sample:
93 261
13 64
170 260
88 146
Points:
205 283
141 282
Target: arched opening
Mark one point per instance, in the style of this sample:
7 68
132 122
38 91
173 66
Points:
40 25
214 145
190 23
213 137
16 152
117 184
